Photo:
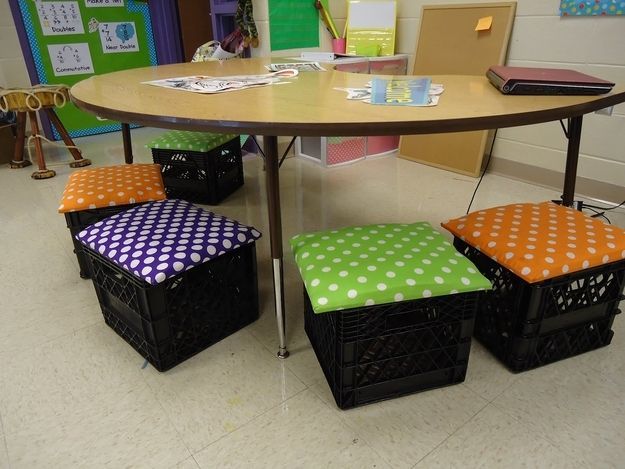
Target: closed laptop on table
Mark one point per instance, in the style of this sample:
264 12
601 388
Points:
527 80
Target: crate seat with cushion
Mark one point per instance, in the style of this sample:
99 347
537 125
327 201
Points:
389 309
172 278
557 274
96 193
198 166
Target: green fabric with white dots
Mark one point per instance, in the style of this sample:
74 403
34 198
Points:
378 264
189 141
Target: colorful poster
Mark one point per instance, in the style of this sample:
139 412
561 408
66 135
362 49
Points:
70 59
104 3
118 37
592 7
293 24
59 18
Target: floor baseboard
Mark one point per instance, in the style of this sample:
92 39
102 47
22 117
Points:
555 180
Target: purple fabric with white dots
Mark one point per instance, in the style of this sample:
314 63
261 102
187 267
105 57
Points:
158 240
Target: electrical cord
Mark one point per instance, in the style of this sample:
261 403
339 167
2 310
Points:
605 208
597 214
490 154
599 211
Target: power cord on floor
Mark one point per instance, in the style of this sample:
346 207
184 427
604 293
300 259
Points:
599 211
490 154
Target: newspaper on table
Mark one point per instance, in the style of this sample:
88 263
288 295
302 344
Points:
212 85
301 66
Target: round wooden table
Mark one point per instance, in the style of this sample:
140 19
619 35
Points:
311 106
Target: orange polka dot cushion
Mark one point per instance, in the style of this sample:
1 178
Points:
112 185
540 241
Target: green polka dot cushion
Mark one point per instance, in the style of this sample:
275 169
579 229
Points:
378 264
190 141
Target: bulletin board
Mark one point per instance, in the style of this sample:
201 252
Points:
449 44
71 40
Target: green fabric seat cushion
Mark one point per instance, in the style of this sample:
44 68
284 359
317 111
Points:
378 264
190 141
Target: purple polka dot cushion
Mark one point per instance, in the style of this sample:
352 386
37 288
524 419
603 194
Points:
158 240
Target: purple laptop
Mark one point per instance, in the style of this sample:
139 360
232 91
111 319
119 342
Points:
526 80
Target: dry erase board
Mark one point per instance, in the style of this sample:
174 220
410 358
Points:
449 44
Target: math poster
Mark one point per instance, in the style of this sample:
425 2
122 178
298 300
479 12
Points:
118 37
592 8
70 59
59 18
71 40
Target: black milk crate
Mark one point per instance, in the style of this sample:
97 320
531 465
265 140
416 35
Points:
203 177
78 221
529 325
379 352
174 320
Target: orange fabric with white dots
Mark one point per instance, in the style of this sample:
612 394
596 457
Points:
540 241
112 185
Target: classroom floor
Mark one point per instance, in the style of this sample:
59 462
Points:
73 394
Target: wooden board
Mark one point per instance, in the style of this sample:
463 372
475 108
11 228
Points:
449 44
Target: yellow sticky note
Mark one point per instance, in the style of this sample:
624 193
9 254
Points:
484 24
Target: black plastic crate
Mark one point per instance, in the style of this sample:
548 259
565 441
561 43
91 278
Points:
528 325
203 177
379 352
527 353
174 320
78 221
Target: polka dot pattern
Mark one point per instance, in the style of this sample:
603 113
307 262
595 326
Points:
190 141
112 185
378 264
541 241
157 240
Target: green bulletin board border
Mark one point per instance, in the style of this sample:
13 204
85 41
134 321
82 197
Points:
35 47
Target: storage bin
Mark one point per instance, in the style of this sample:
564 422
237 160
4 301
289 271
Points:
199 167
557 274
389 309
529 325
170 299
93 194
380 352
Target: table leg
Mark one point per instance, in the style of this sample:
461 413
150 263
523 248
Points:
127 143
572 157
275 234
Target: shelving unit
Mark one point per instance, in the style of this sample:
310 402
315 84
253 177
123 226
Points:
336 151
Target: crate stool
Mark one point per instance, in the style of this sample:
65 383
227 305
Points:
172 278
198 166
389 309
96 193
557 274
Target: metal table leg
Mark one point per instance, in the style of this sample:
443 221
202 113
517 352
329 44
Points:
275 234
574 135
127 143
